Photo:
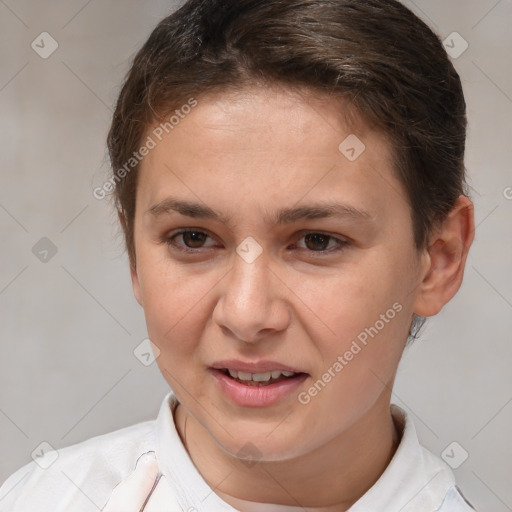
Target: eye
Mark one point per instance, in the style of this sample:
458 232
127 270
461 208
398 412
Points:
192 240
323 243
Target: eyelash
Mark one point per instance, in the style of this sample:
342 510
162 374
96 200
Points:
169 240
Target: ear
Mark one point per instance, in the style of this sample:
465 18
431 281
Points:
445 259
133 268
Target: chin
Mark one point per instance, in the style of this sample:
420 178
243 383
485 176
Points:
260 446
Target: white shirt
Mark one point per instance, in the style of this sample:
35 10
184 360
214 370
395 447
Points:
83 476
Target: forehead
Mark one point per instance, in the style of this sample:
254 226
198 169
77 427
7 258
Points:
262 117
266 145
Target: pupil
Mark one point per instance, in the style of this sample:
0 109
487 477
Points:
193 237
318 239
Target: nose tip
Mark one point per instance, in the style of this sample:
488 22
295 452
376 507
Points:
250 306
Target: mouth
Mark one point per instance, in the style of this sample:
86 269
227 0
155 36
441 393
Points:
262 378
257 384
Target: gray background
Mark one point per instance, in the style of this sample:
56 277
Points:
70 324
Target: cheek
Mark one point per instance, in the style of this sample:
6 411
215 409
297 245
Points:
345 302
358 361
362 314
175 320
172 303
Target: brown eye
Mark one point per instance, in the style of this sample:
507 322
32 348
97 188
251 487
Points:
317 241
194 239
322 243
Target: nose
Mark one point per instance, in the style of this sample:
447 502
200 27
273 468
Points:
252 303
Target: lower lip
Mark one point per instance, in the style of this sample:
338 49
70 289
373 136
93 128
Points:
257 396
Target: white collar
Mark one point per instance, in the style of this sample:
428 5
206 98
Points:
192 491
415 480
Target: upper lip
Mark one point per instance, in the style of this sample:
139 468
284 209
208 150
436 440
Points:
260 366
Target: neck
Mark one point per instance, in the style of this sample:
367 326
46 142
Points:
331 478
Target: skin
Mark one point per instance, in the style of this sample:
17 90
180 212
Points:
246 155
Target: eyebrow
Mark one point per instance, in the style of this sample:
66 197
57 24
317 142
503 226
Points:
284 216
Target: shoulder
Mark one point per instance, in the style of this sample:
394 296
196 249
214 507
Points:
77 477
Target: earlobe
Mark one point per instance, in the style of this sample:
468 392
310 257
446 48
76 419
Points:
447 253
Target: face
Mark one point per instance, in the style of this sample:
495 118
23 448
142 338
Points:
259 239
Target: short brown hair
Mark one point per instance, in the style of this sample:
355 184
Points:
375 53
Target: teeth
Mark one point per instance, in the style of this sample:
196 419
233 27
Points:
259 377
